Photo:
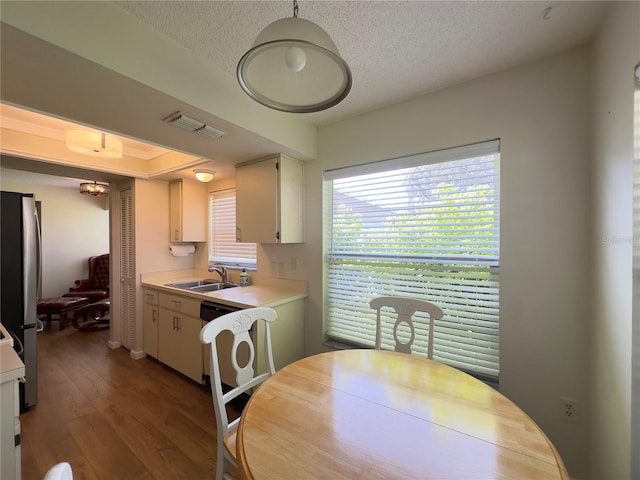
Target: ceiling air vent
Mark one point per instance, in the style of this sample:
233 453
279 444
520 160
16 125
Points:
195 126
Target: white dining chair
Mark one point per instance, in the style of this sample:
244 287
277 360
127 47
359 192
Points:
405 308
239 324
60 471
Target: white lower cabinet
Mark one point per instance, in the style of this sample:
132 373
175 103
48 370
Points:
287 336
172 327
150 322
11 370
287 342
179 335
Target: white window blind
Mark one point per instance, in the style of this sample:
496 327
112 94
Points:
223 246
425 226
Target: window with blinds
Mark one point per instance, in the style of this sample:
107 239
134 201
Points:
424 226
223 247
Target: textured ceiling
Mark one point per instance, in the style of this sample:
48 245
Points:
396 50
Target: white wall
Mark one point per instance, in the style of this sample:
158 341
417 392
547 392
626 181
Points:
74 226
541 113
152 229
616 52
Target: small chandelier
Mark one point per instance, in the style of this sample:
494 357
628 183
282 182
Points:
204 176
90 142
294 66
95 189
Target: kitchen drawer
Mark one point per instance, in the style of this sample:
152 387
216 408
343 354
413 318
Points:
185 305
150 296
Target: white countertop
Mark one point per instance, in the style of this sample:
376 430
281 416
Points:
266 292
6 337
11 367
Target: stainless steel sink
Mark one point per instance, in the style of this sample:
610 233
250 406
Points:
212 287
206 285
192 283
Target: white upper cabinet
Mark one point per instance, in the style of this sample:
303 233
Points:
188 217
270 200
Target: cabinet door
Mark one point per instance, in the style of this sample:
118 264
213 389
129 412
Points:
179 343
150 321
175 212
291 200
151 317
287 336
188 211
256 201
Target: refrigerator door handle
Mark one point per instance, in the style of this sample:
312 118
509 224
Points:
39 257
18 343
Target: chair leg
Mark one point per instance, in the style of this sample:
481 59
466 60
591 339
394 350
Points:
220 464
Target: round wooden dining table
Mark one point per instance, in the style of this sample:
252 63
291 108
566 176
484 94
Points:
377 414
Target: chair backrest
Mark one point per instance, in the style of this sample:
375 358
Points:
99 271
60 471
405 308
239 324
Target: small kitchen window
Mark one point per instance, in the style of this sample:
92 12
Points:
223 247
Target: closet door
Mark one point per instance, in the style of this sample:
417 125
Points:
127 271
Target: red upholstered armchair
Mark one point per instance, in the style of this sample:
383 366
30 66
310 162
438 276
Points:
96 287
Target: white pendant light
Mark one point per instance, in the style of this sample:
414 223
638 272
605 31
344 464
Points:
90 142
294 66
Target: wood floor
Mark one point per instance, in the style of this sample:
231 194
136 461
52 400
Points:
112 417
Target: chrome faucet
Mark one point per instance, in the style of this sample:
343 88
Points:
220 270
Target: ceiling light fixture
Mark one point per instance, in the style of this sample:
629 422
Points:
204 175
294 66
90 142
96 189
194 126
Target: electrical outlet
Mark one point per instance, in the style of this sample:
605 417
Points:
569 410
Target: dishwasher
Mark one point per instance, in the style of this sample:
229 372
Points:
209 311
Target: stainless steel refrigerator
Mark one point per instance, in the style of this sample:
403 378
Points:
20 255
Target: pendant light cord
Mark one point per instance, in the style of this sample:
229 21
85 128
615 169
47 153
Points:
295 8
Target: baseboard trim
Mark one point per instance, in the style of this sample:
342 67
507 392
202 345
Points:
137 354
